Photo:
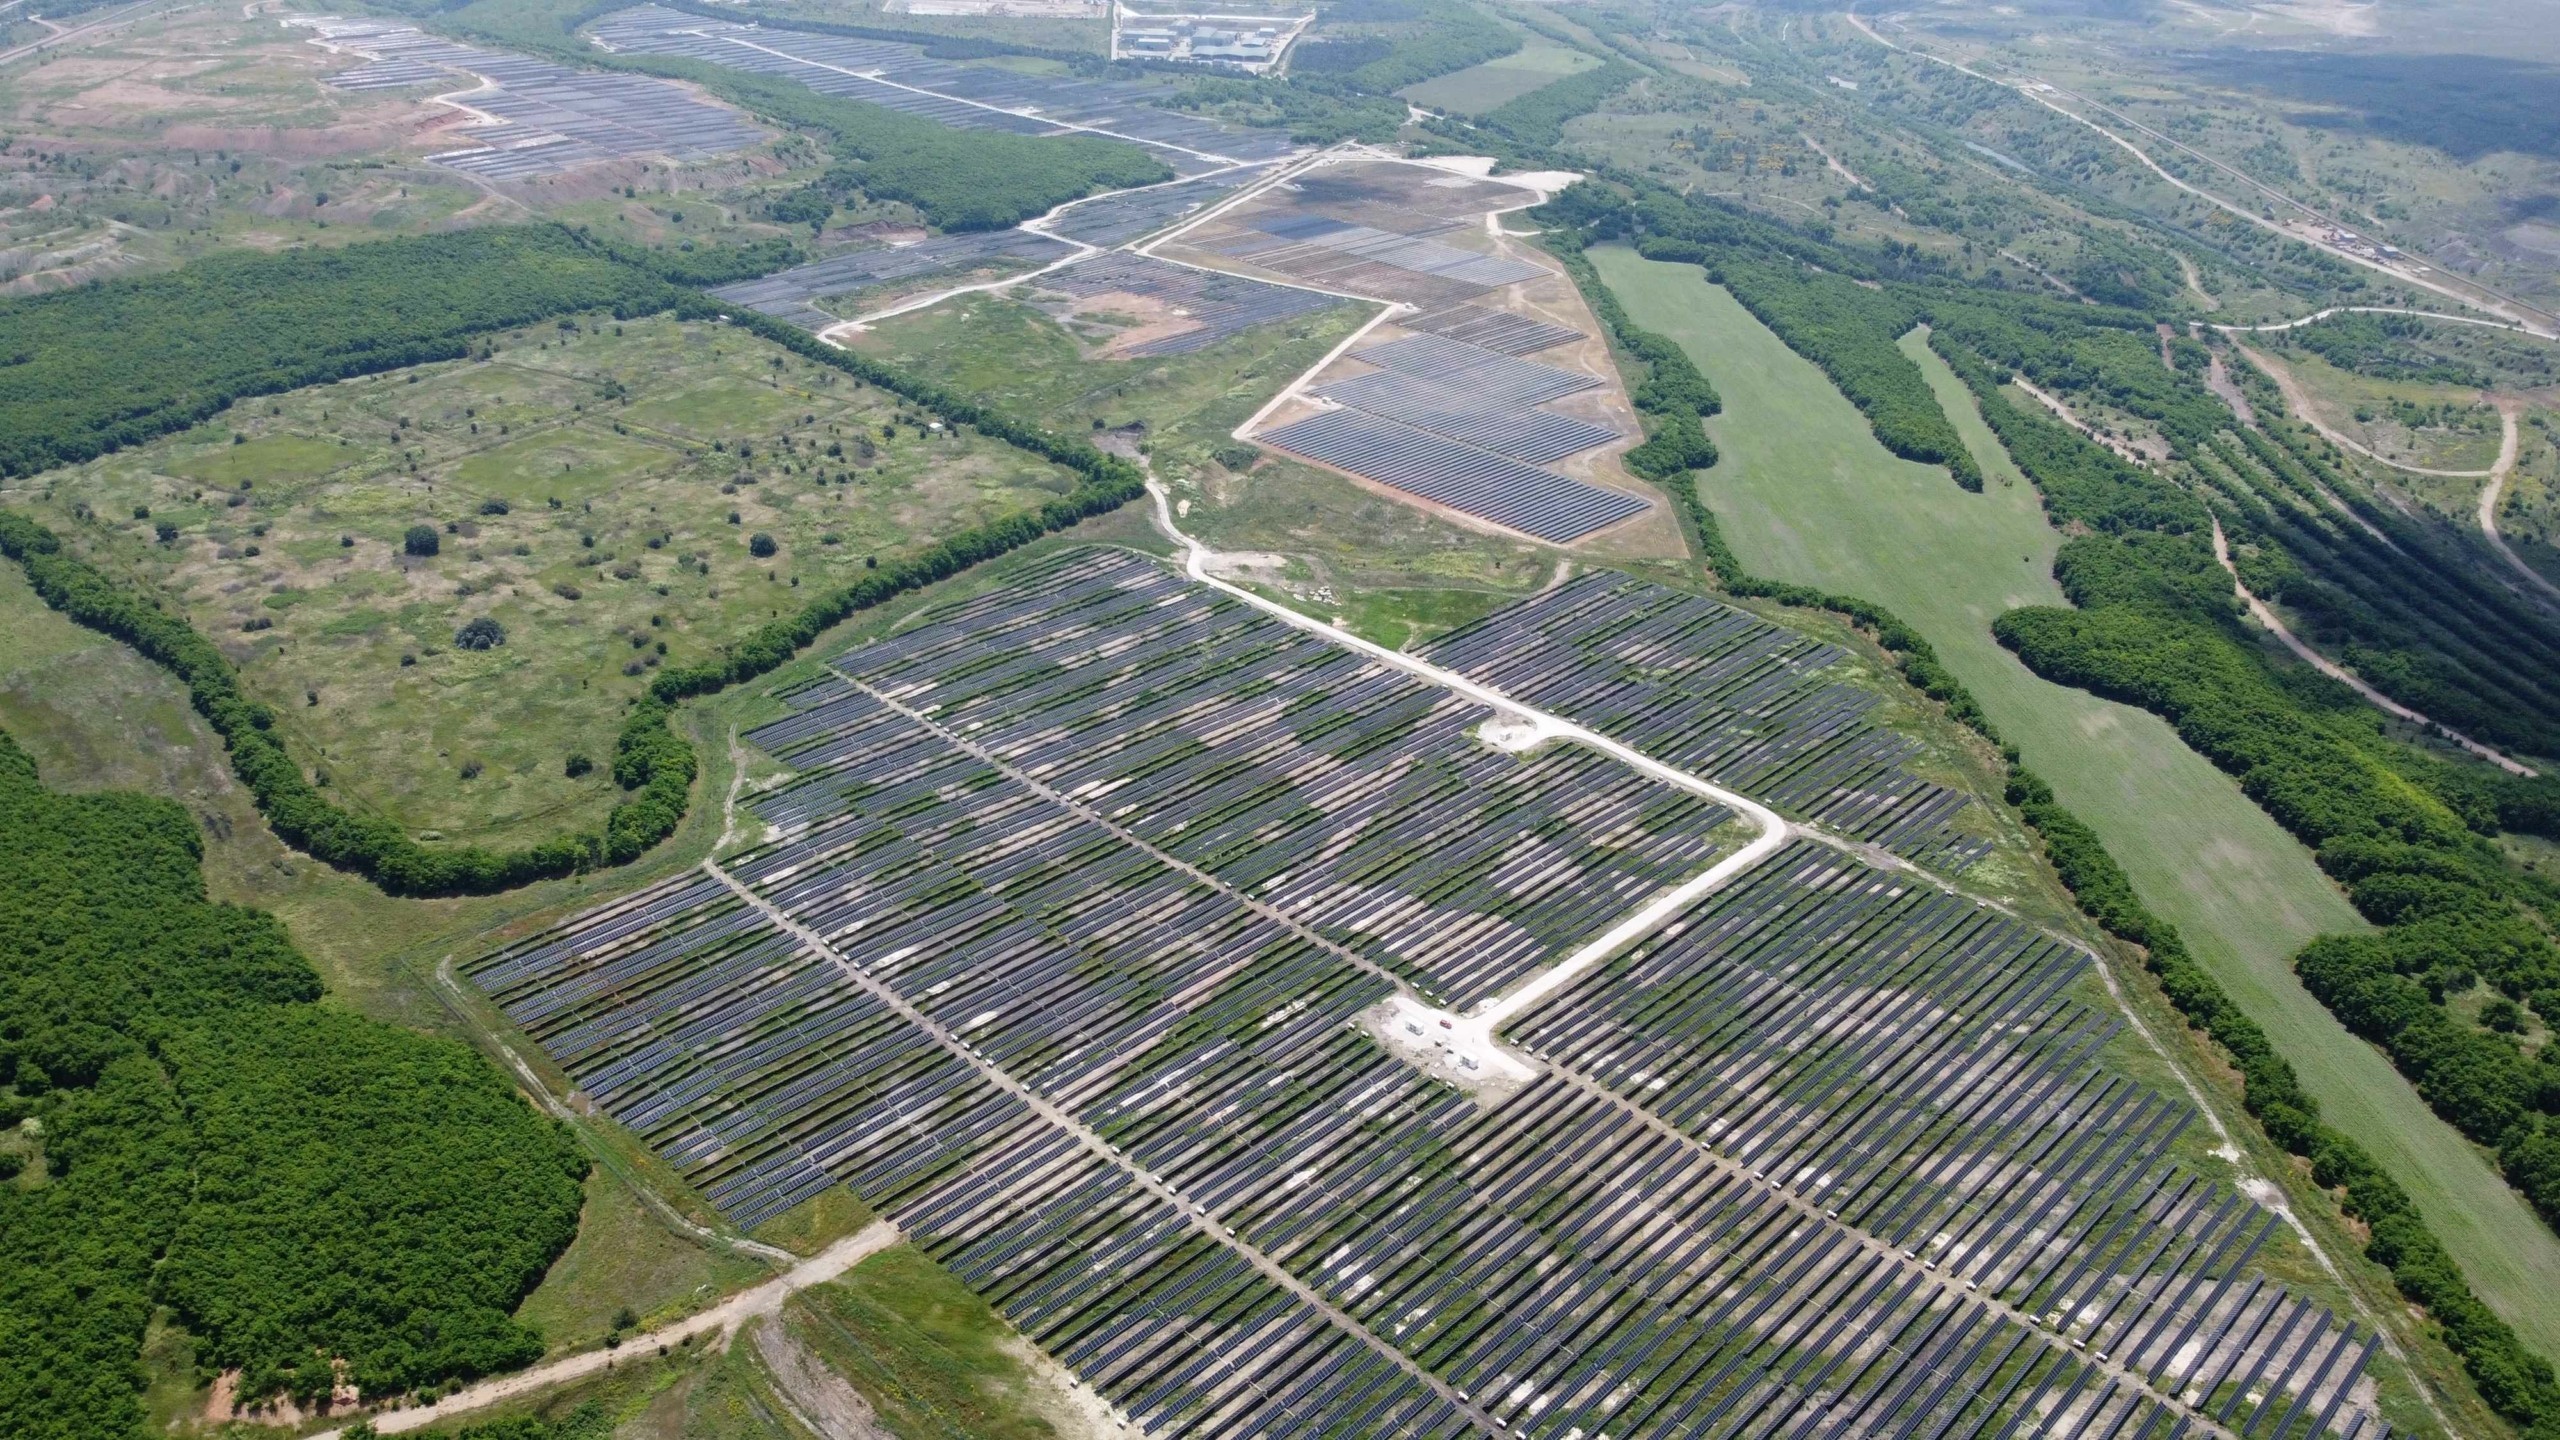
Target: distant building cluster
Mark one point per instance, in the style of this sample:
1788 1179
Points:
1244 42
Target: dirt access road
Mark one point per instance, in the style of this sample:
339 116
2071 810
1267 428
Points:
2510 442
722 1319
2275 626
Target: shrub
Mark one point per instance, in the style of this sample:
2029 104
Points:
577 765
421 541
493 506
761 545
484 633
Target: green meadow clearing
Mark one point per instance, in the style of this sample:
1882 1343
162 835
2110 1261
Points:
1480 88
1805 493
617 496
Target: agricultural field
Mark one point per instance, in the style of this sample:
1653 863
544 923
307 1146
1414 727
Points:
1804 493
1496 82
1146 1156
609 498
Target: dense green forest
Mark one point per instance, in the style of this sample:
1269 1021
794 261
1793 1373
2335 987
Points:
1314 109
2404 831
103 366
300 1186
2386 347
2402 598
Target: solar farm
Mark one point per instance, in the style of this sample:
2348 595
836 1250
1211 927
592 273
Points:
1086 936
1451 409
1378 230
1462 425
792 295
540 118
902 77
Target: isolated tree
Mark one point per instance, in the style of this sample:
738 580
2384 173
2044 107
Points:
761 545
481 634
421 540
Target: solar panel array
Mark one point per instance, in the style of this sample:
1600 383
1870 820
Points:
1364 260
1494 329
554 117
1457 425
1827 1157
901 77
1721 693
1487 373
1334 790
1290 230
1494 487
1123 216
787 294
1536 436
1216 304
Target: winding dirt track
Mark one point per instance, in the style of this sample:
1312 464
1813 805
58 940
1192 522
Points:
2275 625
2490 494
2510 441
722 1319
2298 400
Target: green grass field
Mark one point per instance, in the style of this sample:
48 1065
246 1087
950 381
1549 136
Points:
1805 493
929 1355
597 491
1479 88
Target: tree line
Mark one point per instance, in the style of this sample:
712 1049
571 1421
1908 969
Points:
304 1188
104 366
1673 394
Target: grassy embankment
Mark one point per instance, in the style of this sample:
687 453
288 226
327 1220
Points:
1805 494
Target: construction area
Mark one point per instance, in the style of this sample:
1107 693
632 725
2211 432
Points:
1256 1020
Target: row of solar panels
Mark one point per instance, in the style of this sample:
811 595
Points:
1498 488
1536 436
551 117
1494 329
785 294
1298 243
